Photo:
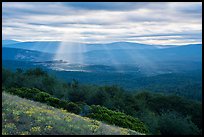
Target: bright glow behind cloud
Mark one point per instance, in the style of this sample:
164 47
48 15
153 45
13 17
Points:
151 23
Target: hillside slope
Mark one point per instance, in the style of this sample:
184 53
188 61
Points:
22 116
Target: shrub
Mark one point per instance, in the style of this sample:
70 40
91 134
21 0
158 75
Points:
63 104
85 109
12 90
55 102
41 96
22 92
73 107
117 118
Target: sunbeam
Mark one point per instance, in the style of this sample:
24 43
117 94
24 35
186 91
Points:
70 54
142 61
113 60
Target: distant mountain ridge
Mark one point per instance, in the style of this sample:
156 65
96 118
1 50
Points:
54 46
24 55
119 55
7 42
42 46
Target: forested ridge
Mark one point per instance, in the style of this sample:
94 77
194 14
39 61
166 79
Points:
160 113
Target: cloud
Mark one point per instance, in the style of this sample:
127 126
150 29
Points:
103 22
110 6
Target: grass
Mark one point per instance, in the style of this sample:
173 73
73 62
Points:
25 117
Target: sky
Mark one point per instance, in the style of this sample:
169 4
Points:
163 23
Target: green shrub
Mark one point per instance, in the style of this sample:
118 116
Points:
22 92
12 91
117 118
41 96
63 104
85 109
55 102
73 107
29 93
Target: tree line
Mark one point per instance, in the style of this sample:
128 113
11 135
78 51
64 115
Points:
160 113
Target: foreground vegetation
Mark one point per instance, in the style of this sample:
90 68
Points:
161 114
96 112
24 117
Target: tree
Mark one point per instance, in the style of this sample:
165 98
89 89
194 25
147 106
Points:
36 72
78 95
74 84
172 123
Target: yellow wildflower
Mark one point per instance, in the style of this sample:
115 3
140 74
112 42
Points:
63 111
124 131
10 125
68 119
4 132
24 133
35 129
48 127
29 113
93 128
